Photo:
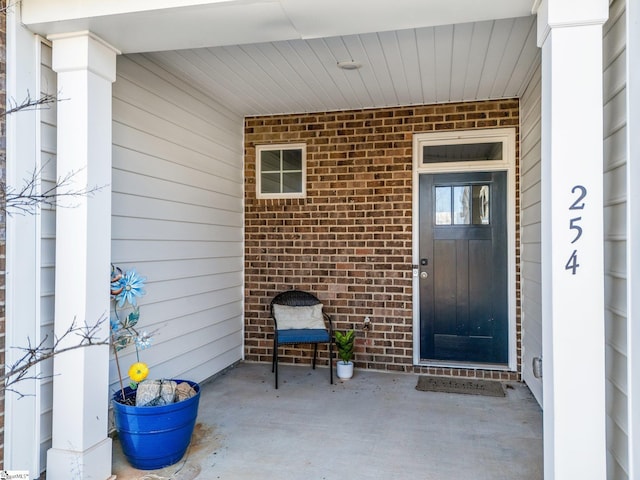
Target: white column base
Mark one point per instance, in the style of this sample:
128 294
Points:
94 463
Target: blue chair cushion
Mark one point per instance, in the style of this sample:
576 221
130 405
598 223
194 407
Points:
303 335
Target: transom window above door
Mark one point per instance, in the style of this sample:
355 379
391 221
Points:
462 152
281 171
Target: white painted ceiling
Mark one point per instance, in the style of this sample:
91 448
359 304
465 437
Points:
471 61
280 56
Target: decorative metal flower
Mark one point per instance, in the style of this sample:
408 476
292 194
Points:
116 276
125 288
144 340
132 286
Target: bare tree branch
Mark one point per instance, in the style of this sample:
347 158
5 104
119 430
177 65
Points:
33 355
29 196
5 5
24 201
30 103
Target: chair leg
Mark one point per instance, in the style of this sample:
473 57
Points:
274 361
274 352
315 354
331 363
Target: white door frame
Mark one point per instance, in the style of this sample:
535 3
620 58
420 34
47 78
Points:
508 164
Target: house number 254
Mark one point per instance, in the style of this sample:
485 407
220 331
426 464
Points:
580 193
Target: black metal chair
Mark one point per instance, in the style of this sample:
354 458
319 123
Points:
298 319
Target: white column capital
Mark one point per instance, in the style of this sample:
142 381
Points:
561 13
82 51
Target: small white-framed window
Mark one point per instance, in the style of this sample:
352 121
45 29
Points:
281 171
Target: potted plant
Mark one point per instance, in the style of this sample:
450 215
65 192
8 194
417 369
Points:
154 418
345 342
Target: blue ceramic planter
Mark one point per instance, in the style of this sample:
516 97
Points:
155 437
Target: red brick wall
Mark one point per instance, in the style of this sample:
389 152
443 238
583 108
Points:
349 241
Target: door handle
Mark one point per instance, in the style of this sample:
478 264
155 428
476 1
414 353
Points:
424 274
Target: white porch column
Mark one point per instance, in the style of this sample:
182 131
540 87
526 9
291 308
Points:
572 238
86 68
633 234
22 414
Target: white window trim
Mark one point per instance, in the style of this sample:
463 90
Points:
282 146
508 164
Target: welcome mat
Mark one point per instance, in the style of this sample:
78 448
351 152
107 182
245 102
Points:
469 386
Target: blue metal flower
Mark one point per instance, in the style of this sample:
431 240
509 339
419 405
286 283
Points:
132 287
115 324
144 340
116 277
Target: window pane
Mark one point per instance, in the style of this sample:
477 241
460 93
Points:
281 171
292 182
443 206
462 152
461 205
481 204
270 160
270 183
292 159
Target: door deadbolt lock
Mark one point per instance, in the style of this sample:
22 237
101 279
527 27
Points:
424 274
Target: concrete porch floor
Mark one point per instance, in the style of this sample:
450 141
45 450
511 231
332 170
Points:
374 426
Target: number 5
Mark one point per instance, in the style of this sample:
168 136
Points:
573 226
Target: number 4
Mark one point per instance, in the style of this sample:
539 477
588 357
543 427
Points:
572 263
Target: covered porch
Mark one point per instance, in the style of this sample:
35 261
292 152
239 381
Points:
375 425
158 98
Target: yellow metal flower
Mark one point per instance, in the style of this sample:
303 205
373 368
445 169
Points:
138 372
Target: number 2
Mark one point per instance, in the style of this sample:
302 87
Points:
583 193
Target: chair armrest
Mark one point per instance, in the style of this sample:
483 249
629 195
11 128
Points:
327 317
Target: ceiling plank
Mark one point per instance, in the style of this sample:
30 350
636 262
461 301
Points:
526 64
333 97
495 54
380 67
462 38
444 49
357 90
355 45
410 62
479 42
425 40
522 28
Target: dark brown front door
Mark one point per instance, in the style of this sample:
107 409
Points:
463 267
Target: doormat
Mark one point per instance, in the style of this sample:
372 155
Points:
469 386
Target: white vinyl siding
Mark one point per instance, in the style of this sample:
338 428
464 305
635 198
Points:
615 203
47 221
177 218
530 234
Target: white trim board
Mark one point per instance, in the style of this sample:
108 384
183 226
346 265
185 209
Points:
508 163
633 235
